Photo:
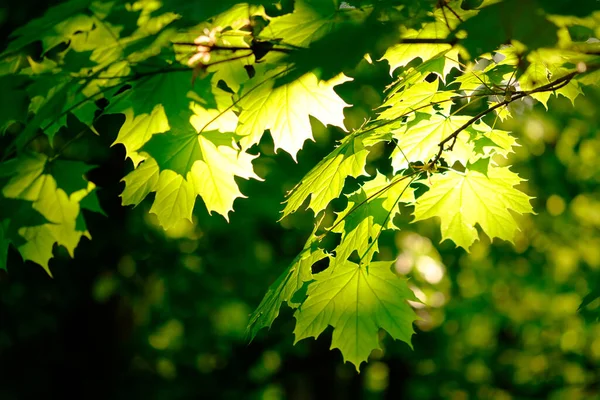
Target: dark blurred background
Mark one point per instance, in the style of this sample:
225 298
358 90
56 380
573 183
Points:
142 314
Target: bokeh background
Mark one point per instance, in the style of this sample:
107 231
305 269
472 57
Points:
143 314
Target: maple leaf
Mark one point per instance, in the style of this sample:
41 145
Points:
284 109
140 182
488 141
326 180
419 97
174 201
419 142
357 302
311 20
370 210
156 104
200 148
400 55
493 74
462 200
15 215
284 288
208 162
55 198
536 75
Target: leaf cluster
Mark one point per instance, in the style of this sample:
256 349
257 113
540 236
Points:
198 85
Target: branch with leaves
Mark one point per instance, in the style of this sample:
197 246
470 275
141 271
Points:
198 92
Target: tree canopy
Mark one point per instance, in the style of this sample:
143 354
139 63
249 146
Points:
192 90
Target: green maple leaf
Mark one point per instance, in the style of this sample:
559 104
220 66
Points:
208 161
356 301
30 178
493 74
445 55
174 201
399 55
310 21
206 154
571 90
488 141
370 210
536 75
418 97
419 142
158 103
284 288
140 182
200 148
213 175
14 215
462 200
285 109
326 180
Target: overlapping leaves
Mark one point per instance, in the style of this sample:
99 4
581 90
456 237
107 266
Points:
191 130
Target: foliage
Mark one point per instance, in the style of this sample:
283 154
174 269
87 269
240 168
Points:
197 88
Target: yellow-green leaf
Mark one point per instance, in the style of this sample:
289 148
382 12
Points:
462 200
357 301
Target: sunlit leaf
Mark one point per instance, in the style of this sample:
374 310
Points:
357 301
462 200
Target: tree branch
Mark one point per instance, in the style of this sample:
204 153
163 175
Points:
549 87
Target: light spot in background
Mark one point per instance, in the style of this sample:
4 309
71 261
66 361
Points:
573 374
571 341
586 209
263 252
273 392
206 363
589 250
566 261
564 304
538 364
188 246
231 319
376 377
266 366
431 270
404 263
167 336
271 360
126 266
437 299
534 128
415 243
477 372
192 262
104 287
595 349
555 205
426 367
481 333
166 368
